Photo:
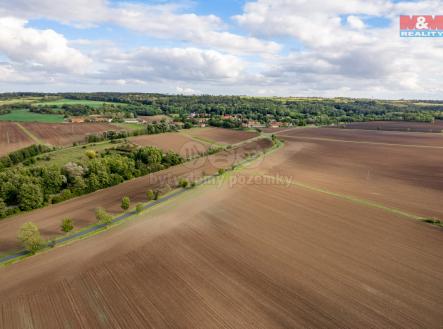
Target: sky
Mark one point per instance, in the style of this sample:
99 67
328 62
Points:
334 48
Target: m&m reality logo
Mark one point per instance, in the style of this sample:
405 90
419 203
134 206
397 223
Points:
424 26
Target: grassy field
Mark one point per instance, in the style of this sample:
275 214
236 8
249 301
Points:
26 116
77 153
20 100
61 102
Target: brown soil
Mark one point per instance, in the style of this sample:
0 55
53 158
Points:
176 142
253 254
82 209
12 138
399 170
65 134
220 135
436 127
383 137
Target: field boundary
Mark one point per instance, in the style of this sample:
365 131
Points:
202 140
14 257
29 134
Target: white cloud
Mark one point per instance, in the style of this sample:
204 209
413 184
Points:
81 13
166 21
42 49
176 64
343 54
337 51
186 91
355 22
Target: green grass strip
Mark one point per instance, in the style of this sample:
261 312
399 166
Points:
29 134
368 203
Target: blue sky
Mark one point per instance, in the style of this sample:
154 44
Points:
260 47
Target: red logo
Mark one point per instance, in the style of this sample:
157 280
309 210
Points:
421 26
425 22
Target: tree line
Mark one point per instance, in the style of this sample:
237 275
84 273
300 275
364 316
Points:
293 111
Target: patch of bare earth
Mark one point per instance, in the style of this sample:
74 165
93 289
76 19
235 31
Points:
65 134
221 135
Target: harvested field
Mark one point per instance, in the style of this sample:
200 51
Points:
436 127
251 256
176 142
221 135
12 138
291 252
65 134
82 209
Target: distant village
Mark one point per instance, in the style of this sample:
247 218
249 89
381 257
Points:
199 120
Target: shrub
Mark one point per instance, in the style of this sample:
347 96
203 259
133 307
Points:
193 184
150 195
221 171
29 236
139 208
67 225
126 202
91 154
156 194
102 216
183 183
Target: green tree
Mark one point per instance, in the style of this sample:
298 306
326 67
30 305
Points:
29 236
2 208
139 208
52 179
150 195
30 196
126 202
150 155
67 225
102 216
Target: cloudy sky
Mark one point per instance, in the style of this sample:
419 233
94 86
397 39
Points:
258 47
